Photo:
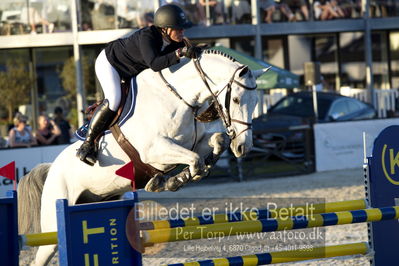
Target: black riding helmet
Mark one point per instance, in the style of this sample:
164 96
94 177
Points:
171 16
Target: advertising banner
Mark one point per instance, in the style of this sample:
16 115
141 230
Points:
339 145
26 159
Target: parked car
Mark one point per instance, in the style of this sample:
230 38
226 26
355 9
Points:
279 131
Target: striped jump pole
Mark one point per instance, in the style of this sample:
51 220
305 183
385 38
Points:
50 238
260 214
268 225
284 256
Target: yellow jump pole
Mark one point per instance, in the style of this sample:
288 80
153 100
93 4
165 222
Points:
308 209
40 239
285 256
222 230
50 238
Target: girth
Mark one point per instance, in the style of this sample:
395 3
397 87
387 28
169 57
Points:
141 169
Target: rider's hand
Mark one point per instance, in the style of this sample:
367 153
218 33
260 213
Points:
192 52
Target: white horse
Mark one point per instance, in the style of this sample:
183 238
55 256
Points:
164 132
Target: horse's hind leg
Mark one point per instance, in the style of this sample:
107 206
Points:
211 148
44 255
48 219
54 188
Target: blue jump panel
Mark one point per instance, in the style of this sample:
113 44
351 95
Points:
9 250
384 189
97 234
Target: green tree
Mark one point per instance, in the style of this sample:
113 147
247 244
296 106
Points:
14 86
68 77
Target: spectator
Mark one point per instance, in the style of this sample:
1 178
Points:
286 10
3 143
20 135
241 12
325 10
145 20
350 8
64 126
269 6
47 132
14 121
303 5
215 9
32 17
86 7
287 6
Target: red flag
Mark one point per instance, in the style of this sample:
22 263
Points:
8 171
127 171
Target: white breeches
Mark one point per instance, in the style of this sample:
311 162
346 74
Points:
109 80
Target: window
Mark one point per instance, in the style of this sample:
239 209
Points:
380 60
326 53
394 49
340 108
352 60
354 105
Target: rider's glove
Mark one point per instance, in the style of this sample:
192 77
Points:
192 52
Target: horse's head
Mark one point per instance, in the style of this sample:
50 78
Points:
237 98
240 102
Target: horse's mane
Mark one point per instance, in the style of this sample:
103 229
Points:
217 52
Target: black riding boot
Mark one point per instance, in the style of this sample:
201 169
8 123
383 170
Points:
100 122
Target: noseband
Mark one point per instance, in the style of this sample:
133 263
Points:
226 117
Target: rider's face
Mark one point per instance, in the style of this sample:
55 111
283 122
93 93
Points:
176 34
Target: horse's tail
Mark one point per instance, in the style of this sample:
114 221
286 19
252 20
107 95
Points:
29 199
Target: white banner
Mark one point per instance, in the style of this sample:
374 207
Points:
26 159
340 145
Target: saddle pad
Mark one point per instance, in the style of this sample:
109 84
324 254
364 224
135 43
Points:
127 112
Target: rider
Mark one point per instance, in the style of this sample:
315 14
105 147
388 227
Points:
156 47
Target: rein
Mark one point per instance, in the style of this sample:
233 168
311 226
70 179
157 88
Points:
226 117
194 109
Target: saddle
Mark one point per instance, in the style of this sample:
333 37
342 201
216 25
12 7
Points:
143 172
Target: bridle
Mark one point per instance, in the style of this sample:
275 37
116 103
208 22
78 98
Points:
225 116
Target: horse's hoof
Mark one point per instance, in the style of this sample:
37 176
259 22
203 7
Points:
173 185
202 174
156 184
197 178
176 182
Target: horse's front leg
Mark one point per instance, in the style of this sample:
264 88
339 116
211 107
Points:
211 148
172 154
